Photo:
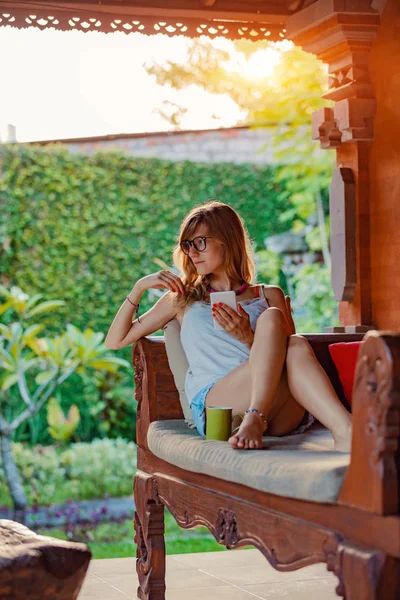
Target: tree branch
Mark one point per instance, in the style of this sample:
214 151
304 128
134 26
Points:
5 428
34 409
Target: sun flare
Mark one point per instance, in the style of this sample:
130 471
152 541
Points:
260 64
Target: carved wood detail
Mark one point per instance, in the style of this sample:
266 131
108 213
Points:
139 365
341 34
141 389
226 529
350 120
109 18
342 200
362 572
149 537
375 454
287 543
325 128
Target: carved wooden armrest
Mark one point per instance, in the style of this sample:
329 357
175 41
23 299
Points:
155 392
373 478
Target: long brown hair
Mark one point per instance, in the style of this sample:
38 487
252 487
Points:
224 224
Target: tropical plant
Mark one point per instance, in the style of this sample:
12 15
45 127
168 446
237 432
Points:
24 306
314 304
38 365
62 427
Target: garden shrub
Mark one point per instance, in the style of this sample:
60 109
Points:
83 471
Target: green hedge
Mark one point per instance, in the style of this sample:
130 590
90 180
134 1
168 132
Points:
84 228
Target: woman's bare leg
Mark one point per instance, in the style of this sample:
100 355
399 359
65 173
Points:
257 383
312 388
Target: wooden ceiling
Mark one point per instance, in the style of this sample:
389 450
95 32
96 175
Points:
233 19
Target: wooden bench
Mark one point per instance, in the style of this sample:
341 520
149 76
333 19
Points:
358 535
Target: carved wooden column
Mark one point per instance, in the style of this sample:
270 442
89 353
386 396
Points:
149 528
341 33
363 573
375 450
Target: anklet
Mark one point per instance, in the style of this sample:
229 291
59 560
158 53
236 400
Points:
259 413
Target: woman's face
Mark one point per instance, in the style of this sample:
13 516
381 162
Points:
210 260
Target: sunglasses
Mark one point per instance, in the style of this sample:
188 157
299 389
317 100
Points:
199 243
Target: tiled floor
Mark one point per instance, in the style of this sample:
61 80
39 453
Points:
237 575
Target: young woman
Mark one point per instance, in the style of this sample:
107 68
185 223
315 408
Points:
256 363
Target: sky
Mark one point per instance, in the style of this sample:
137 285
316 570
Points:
73 84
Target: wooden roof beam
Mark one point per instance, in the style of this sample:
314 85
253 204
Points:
122 8
190 19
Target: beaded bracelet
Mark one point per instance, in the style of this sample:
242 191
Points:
136 307
259 413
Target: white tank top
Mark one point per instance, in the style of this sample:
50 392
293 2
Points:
212 353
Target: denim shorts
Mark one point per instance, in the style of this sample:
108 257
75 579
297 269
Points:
198 406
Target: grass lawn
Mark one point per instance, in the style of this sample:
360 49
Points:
113 540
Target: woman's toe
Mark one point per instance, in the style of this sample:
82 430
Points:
233 441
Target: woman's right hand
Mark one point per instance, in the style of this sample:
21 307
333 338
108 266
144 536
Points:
162 280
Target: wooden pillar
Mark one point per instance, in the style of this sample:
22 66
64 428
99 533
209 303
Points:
341 33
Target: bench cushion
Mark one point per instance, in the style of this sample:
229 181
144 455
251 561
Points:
345 356
300 466
179 365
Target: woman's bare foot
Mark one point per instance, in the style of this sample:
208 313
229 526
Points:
343 440
249 435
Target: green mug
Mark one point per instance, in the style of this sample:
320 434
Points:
219 423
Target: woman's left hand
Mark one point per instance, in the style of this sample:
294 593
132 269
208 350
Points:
236 324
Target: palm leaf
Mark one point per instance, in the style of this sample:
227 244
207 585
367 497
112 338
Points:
32 301
38 345
108 364
43 307
5 332
6 306
8 381
45 376
33 330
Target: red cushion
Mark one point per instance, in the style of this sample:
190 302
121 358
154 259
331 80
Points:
344 355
